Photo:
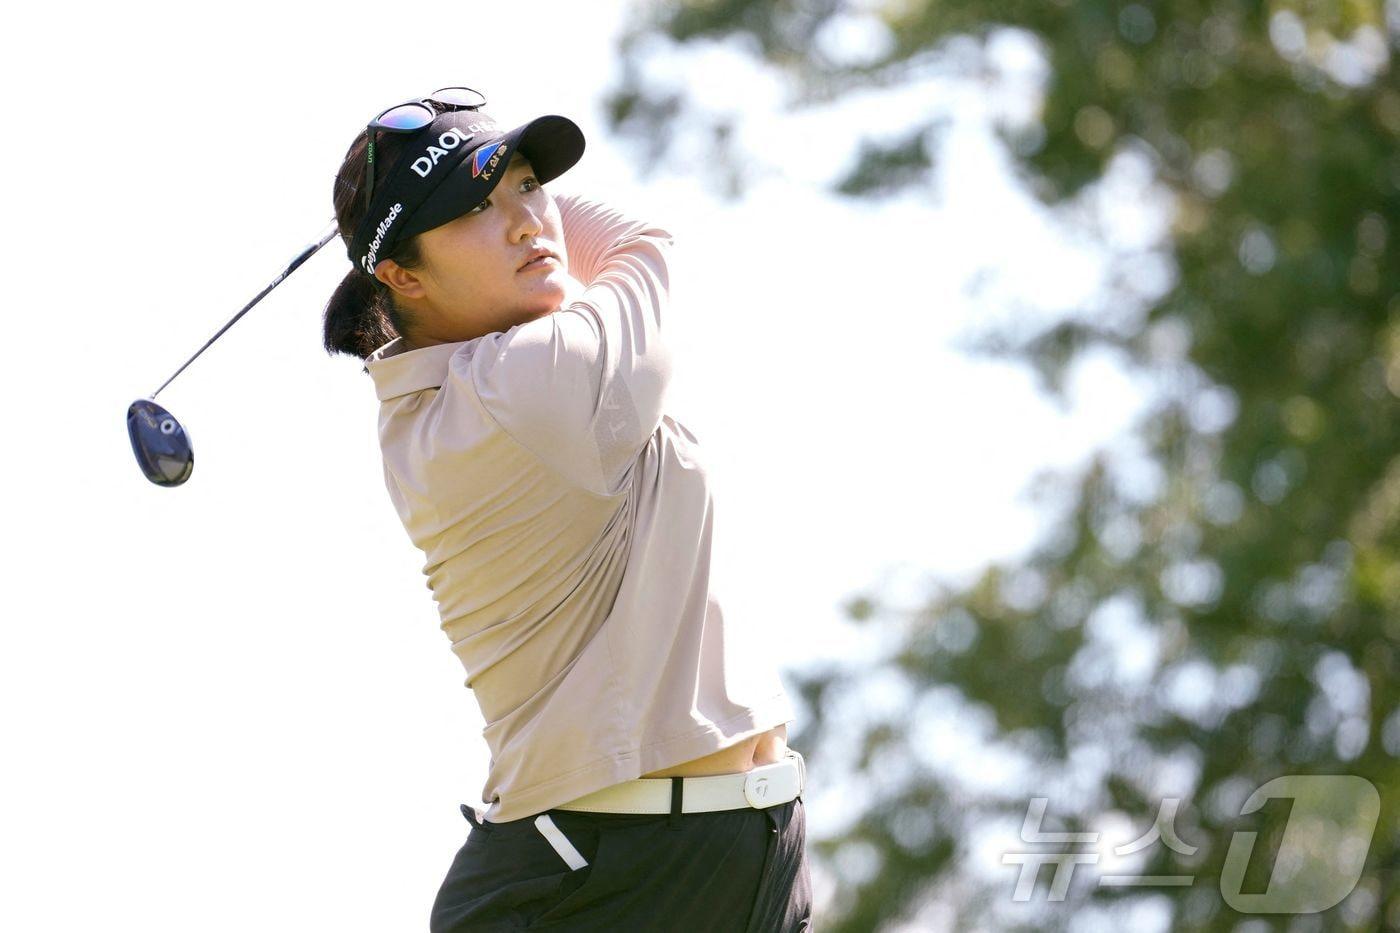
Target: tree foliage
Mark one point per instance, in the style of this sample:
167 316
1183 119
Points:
1256 549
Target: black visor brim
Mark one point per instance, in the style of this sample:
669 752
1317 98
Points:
553 144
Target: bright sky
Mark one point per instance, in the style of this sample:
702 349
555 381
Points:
229 705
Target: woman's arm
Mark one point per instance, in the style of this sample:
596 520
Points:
583 387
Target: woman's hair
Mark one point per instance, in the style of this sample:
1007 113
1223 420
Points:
361 315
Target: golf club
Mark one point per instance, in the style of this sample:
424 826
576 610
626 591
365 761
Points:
160 442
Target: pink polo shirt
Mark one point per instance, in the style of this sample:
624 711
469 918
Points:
566 520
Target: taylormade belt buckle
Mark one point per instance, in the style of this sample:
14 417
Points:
769 785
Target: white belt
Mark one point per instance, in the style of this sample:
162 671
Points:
764 786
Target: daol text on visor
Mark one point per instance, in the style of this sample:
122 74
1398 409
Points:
446 143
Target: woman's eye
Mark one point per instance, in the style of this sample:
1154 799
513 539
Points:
530 183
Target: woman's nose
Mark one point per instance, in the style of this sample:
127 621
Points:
527 221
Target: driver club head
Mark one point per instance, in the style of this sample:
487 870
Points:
161 445
160 442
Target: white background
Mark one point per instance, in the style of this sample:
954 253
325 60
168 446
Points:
228 706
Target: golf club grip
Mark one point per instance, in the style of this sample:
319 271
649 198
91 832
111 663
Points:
310 251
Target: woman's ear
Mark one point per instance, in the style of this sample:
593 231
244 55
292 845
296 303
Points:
400 280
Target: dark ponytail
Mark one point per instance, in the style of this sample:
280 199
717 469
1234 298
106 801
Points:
361 315
356 321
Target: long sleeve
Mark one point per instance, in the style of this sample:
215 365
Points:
568 533
583 387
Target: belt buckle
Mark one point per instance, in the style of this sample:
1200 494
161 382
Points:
770 785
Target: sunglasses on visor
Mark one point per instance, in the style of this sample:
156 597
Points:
413 115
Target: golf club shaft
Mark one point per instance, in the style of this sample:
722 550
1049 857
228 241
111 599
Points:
304 255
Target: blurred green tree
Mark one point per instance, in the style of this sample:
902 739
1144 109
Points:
1255 546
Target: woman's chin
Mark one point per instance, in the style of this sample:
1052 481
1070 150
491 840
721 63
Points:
547 296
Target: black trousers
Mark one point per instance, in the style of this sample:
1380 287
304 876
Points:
727 871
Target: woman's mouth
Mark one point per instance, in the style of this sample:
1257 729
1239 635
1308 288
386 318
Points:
541 262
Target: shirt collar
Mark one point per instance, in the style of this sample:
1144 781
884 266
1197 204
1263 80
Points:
397 371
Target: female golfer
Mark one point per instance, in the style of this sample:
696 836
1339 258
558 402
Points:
639 776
